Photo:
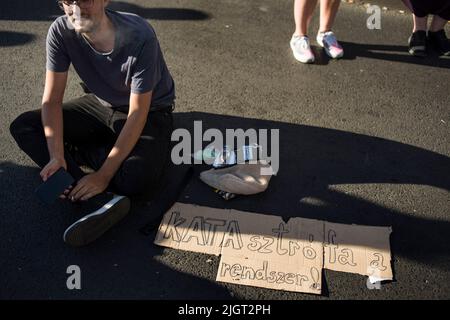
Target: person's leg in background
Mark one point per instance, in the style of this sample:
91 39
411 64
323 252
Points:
325 36
417 40
437 24
420 23
328 12
300 44
436 34
303 12
440 9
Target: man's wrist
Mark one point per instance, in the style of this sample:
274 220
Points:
57 158
106 174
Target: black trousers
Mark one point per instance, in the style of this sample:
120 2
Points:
90 130
422 8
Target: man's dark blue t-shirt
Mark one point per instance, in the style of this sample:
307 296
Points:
135 65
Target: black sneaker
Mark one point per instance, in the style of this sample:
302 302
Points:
440 42
418 43
93 225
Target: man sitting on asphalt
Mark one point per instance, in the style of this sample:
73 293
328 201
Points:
121 129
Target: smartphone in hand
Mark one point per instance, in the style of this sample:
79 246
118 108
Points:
54 186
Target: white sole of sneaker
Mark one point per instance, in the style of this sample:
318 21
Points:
418 51
96 226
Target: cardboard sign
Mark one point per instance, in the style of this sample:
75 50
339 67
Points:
257 250
358 249
270 274
264 251
274 254
198 229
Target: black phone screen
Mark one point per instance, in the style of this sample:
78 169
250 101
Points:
54 186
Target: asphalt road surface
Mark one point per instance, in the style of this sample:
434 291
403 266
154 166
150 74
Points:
363 140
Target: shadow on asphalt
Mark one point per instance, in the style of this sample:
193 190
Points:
313 161
394 53
9 38
159 13
48 10
123 264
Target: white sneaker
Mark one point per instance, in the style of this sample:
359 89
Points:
301 49
328 41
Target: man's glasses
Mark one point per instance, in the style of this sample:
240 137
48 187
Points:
83 4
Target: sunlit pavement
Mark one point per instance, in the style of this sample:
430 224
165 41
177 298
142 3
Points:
368 136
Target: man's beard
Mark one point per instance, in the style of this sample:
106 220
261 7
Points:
81 23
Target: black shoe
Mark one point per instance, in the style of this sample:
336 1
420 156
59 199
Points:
440 42
93 225
418 43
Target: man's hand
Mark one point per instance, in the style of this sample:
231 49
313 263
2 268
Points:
52 166
89 186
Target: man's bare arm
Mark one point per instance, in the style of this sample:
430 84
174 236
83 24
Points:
131 131
95 183
52 120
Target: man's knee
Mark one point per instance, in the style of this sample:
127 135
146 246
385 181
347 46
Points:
25 123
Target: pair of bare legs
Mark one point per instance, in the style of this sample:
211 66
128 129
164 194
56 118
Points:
303 12
420 39
300 44
420 24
